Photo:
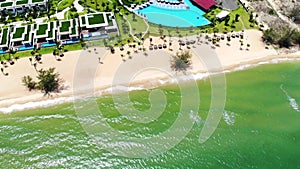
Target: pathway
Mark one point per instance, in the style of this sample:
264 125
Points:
148 26
61 14
78 7
130 30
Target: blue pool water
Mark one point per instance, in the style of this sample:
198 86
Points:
22 48
72 41
2 52
48 44
175 17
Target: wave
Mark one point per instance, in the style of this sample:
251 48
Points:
120 88
292 101
229 117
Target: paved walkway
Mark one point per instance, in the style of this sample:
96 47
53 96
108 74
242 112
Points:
78 7
61 14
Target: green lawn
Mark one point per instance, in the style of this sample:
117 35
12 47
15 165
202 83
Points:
95 19
34 1
6 4
72 47
21 2
42 29
28 33
83 19
137 23
242 23
65 26
18 32
4 37
74 27
50 33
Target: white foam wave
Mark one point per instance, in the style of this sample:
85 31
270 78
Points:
196 118
38 104
196 76
292 101
229 117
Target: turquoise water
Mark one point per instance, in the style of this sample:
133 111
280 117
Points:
22 48
72 41
48 44
2 52
259 129
175 17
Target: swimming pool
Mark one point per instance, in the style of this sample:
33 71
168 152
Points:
2 52
48 44
22 48
72 41
175 17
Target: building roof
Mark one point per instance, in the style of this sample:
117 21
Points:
206 4
222 14
228 4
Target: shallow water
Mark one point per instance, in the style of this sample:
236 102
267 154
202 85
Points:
259 128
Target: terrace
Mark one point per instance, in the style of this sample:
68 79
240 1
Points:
97 25
42 30
28 36
22 2
52 31
94 20
75 32
65 26
6 4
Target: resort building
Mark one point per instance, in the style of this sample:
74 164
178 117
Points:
68 31
22 38
98 25
205 4
228 4
20 6
4 40
222 15
45 34
89 27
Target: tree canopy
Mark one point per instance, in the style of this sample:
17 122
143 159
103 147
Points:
47 81
282 36
181 61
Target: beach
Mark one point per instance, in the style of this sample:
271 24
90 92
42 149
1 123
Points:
81 64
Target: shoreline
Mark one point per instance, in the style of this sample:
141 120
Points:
67 97
83 64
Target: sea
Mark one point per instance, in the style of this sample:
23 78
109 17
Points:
258 126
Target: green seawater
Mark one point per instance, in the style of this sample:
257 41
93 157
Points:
259 128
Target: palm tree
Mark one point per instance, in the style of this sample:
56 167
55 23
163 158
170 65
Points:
128 53
145 53
29 83
170 44
181 62
2 70
30 59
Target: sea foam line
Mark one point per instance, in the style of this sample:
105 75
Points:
196 76
293 102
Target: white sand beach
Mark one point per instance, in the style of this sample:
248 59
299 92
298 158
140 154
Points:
149 68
